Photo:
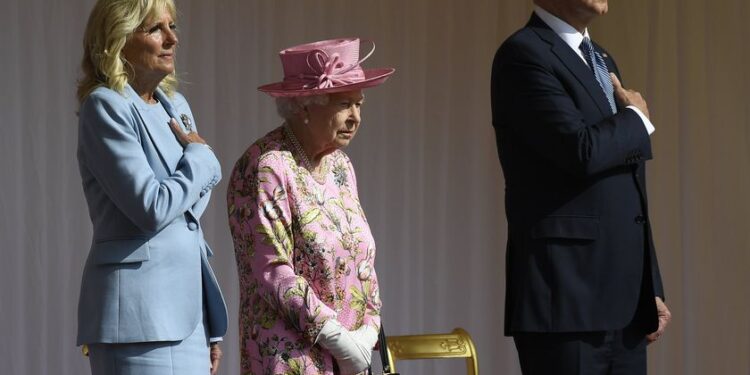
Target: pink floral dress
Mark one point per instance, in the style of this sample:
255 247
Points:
305 254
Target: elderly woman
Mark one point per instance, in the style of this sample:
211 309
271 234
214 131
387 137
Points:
305 254
149 301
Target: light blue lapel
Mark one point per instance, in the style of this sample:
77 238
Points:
167 104
161 135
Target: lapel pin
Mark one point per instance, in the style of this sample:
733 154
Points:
187 122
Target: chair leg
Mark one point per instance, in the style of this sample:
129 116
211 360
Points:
391 361
471 366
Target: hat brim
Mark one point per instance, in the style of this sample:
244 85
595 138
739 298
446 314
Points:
373 77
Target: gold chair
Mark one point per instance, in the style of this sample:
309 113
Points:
457 344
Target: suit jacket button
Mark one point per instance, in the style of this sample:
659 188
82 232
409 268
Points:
192 226
640 219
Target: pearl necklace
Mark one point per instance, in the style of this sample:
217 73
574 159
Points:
319 177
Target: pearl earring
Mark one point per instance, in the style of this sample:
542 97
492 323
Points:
306 120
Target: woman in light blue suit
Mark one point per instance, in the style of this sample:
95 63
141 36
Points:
149 302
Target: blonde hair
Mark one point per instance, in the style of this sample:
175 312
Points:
110 24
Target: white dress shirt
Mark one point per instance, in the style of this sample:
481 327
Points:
573 39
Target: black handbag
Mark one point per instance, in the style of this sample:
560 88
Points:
384 356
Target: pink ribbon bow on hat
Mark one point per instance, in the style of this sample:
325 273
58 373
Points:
329 71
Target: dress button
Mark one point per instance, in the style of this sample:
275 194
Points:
192 226
640 219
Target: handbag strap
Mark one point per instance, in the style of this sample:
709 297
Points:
385 358
384 355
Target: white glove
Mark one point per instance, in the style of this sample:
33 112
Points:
351 355
367 336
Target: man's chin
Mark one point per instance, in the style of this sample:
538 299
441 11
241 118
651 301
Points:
601 8
596 8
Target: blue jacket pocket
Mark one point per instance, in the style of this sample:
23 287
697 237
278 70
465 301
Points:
120 251
571 227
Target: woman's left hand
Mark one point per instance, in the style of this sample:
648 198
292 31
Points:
216 355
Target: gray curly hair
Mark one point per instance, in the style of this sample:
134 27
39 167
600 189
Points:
289 107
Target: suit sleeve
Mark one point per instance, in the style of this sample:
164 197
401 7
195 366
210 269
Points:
654 263
531 101
200 206
182 106
111 149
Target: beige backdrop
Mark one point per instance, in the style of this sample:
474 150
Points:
426 161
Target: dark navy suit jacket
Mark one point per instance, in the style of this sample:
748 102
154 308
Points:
580 256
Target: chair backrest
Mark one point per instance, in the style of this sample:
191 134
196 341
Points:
457 344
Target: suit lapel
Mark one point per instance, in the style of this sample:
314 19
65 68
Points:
160 134
573 62
172 112
167 104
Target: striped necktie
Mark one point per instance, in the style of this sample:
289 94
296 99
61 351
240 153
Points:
596 63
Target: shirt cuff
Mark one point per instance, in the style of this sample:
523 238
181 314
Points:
197 144
215 339
646 122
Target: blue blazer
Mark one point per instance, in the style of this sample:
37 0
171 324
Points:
580 255
147 274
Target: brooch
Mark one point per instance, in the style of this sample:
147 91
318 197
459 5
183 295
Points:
187 122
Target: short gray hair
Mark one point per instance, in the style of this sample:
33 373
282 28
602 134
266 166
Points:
288 107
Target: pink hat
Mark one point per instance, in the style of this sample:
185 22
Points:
325 67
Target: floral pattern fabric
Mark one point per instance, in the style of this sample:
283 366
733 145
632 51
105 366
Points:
305 254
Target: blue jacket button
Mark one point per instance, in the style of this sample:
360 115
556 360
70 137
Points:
192 226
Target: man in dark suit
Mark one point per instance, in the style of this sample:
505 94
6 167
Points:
584 294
